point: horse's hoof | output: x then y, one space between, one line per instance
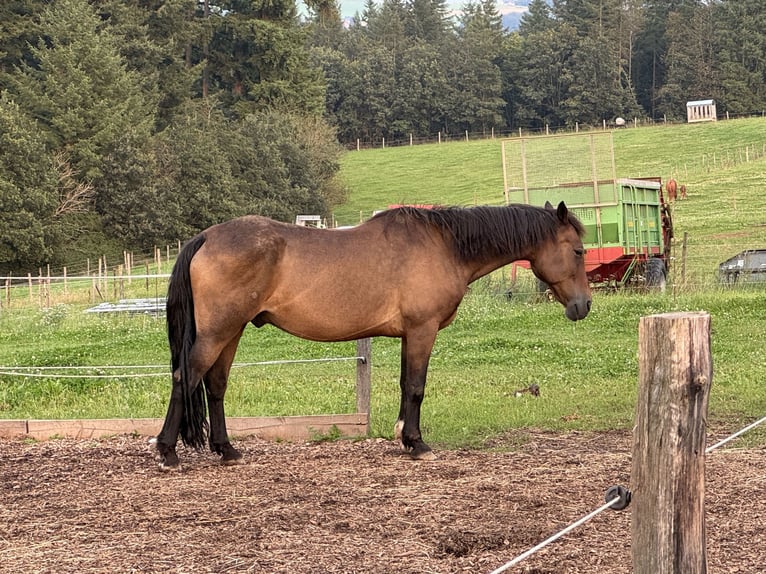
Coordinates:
230 456
424 455
166 458
168 467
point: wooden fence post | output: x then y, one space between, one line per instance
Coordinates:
364 377
683 258
668 474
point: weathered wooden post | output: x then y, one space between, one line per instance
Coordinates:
364 377
668 474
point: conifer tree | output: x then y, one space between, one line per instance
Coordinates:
79 87
739 55
476 102
27 191
258 58
536 19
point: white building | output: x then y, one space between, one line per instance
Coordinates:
701 111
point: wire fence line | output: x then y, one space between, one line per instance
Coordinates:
18 279
609 504
54 372
445 136
737 434
559 534
33 375
47 293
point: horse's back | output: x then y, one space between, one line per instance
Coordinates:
322 284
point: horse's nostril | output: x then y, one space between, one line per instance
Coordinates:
589 304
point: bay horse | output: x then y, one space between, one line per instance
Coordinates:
402 274
672 188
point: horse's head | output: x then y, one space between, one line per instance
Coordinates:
560 262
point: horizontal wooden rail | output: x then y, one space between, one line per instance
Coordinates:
290 428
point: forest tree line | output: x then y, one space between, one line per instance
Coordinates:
133 123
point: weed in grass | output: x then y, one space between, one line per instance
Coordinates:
331 435
53 316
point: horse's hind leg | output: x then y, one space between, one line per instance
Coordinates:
216 380
202 357
165 442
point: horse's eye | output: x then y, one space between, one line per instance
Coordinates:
579 252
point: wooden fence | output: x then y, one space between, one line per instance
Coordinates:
668 468
280 427
97 283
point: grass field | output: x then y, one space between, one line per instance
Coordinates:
722 164
587 372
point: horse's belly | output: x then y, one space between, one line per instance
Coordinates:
334 322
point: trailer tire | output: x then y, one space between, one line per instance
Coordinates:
544 290
655 274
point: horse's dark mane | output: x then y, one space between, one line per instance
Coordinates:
488 231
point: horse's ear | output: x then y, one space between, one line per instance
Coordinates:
548 205
562 212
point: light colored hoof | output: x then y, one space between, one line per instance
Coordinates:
233 462
428 455
169 469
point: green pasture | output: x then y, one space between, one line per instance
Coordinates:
586 371
722 164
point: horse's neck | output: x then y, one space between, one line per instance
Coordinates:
478 269
495 256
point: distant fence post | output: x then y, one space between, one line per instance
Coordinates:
364 377
668 472
683 258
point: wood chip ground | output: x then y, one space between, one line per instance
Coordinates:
348 507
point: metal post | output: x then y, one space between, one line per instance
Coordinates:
364 377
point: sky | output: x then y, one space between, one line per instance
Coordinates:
511 10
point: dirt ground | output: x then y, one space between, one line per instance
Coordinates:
350 507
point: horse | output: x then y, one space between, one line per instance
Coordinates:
672 189
683 192
402 274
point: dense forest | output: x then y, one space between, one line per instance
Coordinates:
133 123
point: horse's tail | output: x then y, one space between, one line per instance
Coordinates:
182 331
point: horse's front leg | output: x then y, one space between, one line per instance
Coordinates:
216 381
416 352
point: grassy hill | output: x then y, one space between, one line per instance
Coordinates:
722 164
586 371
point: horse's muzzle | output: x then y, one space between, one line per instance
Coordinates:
578 308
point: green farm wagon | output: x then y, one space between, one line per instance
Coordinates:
627 220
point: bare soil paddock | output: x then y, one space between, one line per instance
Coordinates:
102 506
